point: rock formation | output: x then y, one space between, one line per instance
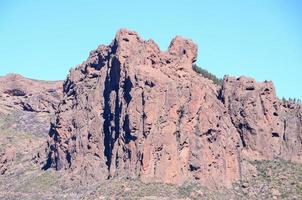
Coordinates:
26 107
267 127
17 92
131 110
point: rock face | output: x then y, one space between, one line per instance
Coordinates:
17 92
267 127
133 111
26 107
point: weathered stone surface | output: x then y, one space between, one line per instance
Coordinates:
267 126
131 110
26 107
17 92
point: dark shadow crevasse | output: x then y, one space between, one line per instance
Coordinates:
111 133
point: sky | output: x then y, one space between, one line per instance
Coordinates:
256 38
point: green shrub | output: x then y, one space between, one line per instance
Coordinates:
292 100
208 75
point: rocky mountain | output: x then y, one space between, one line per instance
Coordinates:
131 110
135 122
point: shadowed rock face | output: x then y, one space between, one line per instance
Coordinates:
132 110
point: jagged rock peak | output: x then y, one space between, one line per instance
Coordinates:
132 110
128 44
179 46
125 35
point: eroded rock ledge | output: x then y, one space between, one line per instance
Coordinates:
132 110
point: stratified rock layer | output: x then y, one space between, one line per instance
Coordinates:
132 110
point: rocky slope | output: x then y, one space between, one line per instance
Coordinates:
131 110
26 107
20 93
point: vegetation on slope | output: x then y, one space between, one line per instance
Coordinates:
292 100
208 75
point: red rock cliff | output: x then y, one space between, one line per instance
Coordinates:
131 110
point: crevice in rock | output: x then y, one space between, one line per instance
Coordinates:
58 163
197 131
68 158
143 114
181 112
220 96
126 128
241 134
284 130
48 163
264 110
117 116
53 133
111 133
127 89
238 128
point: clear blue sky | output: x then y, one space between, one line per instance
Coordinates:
258 38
